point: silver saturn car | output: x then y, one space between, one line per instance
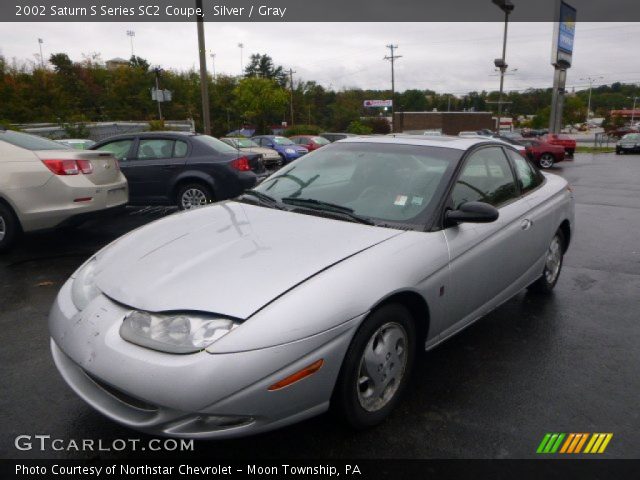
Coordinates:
314 290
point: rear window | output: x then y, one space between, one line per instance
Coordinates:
30 142
218 145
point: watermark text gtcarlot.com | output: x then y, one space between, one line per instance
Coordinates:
45 443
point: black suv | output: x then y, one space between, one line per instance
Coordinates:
180 168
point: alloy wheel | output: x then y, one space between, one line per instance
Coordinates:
546 160
553 261
382 366
193 198
3 228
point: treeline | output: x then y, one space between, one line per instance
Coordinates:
71 92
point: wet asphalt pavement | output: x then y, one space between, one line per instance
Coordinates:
569 362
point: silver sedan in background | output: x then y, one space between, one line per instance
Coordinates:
312 291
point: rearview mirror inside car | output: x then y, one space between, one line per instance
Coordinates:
472 212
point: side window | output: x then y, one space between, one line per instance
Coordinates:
485 177
527 176
180 149
119 148
150 149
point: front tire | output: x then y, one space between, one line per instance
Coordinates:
377 367
552 265
546 160
193 195
9 228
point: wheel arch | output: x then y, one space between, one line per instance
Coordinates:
193 177
12 210
565 228
418 308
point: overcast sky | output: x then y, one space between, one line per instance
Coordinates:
445 57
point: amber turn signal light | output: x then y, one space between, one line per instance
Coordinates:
299 375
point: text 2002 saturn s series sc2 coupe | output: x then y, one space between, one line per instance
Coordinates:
312 290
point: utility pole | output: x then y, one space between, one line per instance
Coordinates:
633 111
204 80
392 58
40 42
131 34
291 72
590 80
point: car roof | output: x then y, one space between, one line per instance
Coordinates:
457 143
163 133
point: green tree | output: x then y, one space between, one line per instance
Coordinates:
262 66
260 100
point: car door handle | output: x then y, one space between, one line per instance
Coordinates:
526 224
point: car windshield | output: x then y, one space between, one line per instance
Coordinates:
30 142
218 145
320 140
631 136
383 182
282 141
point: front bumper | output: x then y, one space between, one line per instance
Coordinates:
199 395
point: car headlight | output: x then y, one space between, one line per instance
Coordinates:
83 288
177 333
289 150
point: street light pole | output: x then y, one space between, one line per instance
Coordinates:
131 34
213 65
241 47
40 42
507 7
633 110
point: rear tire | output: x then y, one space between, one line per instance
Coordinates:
552 267
9 228
546 160
376 367
570 152
193 195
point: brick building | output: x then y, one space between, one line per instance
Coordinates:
449 123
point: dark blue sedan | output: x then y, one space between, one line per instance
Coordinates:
288 150
181 168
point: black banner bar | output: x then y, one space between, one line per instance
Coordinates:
308 11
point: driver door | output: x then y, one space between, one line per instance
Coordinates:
485 258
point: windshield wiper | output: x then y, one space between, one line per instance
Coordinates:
312 203
263 198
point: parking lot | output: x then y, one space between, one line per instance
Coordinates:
563 363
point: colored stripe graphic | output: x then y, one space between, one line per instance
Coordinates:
574 442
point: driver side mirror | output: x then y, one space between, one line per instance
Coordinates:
472 212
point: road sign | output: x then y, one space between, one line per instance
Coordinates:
160 95
378 103
563 35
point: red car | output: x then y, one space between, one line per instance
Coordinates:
542 153
311 142
565 141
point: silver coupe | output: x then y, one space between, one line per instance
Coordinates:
312 291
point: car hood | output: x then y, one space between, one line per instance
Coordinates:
230 258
